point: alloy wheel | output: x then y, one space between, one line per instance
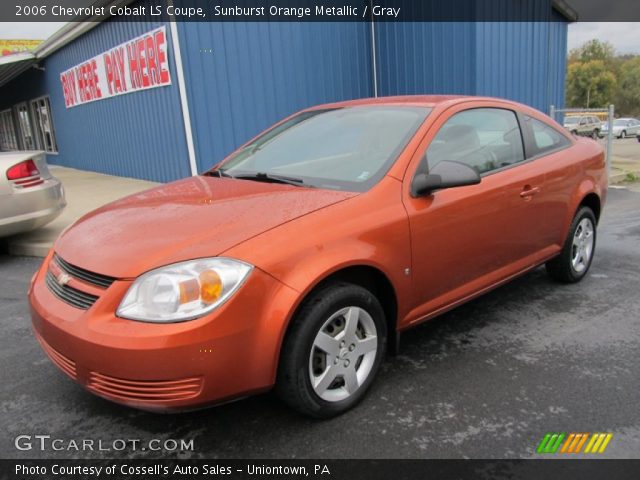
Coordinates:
343 354
582 248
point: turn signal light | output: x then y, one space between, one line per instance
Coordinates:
23 170
210 286
207 288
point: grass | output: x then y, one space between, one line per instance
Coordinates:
631 177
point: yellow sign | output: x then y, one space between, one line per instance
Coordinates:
9 47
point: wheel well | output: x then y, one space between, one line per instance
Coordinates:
593 202
379 285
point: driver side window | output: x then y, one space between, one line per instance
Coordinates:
486 139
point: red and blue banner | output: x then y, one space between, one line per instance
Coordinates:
138 64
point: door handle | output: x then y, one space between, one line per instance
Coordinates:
529 191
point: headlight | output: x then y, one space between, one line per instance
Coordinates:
183 291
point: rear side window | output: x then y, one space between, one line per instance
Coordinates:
484 138
545 138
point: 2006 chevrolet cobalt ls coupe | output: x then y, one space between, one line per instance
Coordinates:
300 257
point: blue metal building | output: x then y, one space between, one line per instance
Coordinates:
231 80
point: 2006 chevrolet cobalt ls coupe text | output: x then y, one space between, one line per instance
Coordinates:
300 257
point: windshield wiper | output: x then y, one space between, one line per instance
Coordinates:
218 172
267 177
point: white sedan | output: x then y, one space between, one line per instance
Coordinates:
623 127
29 195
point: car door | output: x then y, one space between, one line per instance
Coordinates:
468 238
545 146
584 125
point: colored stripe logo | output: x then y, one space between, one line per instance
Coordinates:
574 443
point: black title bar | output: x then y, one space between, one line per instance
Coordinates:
321 10
321 469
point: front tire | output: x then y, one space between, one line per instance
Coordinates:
575 258
332 351
623 134
595 134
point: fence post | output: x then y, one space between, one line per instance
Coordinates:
552 112
610 139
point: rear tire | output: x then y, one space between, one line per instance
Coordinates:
575 258
332 351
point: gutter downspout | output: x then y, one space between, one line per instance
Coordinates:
184 103
373 53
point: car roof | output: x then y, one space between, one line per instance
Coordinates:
409 100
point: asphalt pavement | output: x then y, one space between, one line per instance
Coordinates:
486 380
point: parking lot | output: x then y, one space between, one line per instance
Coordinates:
486 380
626 159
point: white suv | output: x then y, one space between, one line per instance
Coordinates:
586 125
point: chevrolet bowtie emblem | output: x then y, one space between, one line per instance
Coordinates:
63 279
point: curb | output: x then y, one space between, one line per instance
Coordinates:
622 176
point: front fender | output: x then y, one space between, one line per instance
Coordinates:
368 230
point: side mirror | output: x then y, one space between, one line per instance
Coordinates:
446 174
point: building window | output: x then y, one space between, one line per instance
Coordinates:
27 137
43 122
8 139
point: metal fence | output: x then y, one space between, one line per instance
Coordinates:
607 112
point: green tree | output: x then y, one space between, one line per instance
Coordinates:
593 50
590 84
627 98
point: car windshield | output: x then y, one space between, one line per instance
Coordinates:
572 120
349 148
620 123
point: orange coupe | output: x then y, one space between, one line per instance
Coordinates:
295 261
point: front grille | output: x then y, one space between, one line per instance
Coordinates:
102 281
65 364
70 295
144 390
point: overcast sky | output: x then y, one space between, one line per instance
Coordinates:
623 36
28 30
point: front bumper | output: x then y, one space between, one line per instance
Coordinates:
229 353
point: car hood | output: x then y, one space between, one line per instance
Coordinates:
191 218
